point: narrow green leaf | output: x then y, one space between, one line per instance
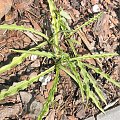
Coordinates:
55 23
95 100
22 28
94 56
20 59
23 84
65 14
97 89
85 79
41 54
50 96
97 70
64 24
88 22
75 77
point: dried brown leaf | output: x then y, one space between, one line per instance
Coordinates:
5 6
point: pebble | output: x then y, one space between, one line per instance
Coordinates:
96 8
33 57
45 80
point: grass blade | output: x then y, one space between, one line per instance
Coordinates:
41 54
75 77
20 59
50 96
88 22
97 89
22 28
95 56
95 100
85 80
97 70
23 84
55 23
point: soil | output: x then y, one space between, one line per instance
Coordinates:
101 36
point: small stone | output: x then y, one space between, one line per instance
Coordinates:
36 107
45 80
33 57
96 8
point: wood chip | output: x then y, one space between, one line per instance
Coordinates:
5 6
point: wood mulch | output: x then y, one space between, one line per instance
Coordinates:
101 36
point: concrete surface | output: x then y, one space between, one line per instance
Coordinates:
113 114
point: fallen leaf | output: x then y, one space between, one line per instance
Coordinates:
5 6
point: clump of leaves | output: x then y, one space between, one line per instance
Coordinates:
75 66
